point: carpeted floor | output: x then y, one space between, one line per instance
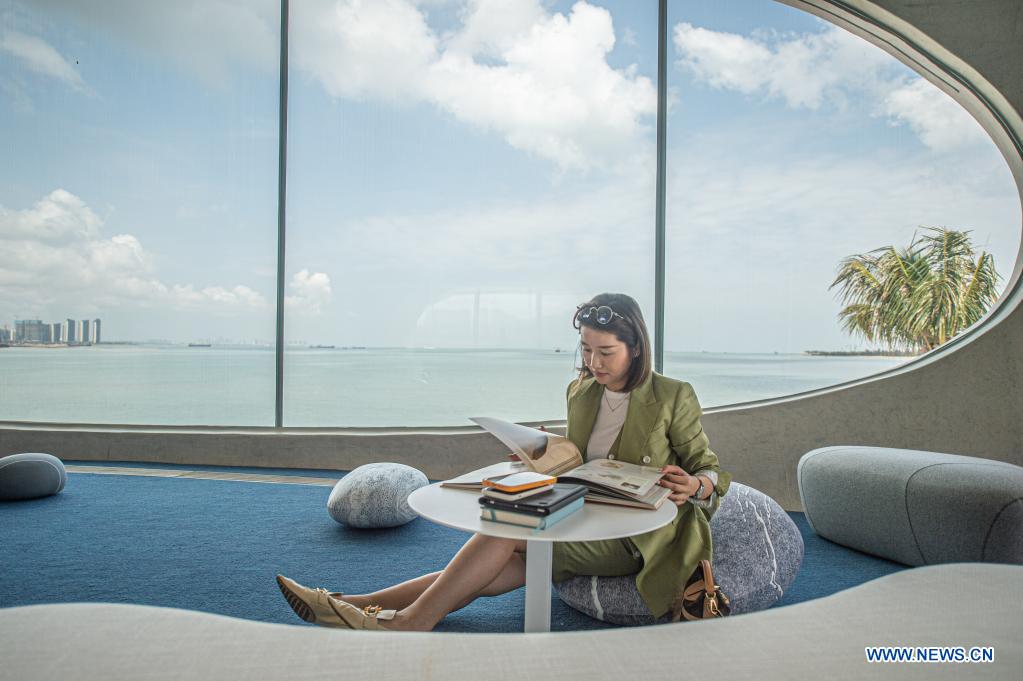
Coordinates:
216 545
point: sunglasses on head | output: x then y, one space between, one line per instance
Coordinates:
602 314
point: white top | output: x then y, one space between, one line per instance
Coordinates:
460 509
610 419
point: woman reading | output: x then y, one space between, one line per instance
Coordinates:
618 408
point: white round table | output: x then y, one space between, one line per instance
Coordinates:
460 509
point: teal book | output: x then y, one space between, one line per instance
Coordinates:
526 520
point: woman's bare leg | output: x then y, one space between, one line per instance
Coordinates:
394 597
401 596
484 566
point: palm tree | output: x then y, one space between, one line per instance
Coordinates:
919 297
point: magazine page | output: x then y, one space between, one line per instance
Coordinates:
543 452
651 500
525 442
561 456
628 478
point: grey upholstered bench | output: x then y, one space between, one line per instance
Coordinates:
914 507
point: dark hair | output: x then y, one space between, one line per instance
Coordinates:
629 328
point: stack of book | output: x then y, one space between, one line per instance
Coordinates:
529 499
609 481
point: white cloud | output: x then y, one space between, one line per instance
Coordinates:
311 292
724 60
830 68
55 254
541 80
40 57
490 27
58 217
215 299
378 49
554 95
934 116
808 70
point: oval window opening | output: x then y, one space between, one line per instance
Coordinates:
830 214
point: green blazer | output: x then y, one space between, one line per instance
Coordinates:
663 422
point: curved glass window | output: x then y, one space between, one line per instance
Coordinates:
460 177
138 211
792 145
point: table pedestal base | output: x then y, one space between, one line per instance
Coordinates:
539 562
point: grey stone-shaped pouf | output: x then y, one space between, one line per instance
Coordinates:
757 554
375 495
757 549
914 507
30 476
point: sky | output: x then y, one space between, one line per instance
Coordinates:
462 174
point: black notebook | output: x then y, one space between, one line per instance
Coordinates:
540 504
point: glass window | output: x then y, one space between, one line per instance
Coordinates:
793 144
138 203
460 177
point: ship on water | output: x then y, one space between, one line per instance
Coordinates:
200 345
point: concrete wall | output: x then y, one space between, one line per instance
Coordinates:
440 453
963 399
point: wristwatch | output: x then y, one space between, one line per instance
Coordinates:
698 494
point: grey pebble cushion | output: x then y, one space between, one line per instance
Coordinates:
375 495
30 476
914 507
757 553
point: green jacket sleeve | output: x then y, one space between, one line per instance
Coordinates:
689 442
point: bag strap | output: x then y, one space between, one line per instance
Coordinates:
708 575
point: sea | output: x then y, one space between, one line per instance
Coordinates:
150 384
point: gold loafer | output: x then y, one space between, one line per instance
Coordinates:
312 605
360 618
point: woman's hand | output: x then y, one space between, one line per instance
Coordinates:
681 484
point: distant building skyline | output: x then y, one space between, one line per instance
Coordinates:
69 332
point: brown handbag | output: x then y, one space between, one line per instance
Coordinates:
702 598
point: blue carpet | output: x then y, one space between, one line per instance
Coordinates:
215 546
828 568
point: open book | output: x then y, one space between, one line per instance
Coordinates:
609 481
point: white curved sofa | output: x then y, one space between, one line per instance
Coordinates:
962 604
